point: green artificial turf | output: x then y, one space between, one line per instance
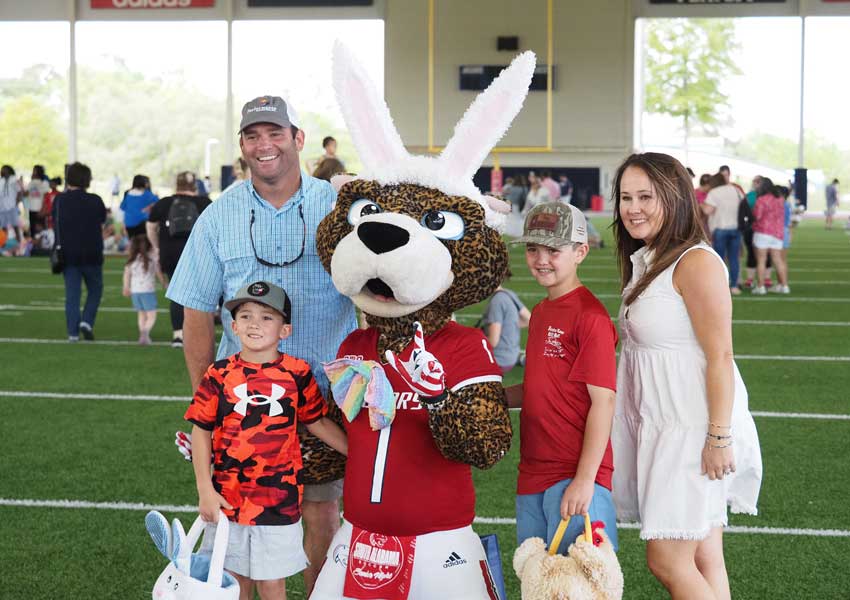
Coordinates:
110 450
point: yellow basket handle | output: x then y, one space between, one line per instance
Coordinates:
562 528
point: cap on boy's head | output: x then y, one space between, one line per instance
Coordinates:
268 109
265 293
554 224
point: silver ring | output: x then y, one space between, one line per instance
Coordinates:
727 471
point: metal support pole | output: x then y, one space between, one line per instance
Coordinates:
72 83
228 117
801 150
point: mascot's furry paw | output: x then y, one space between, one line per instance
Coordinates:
590 571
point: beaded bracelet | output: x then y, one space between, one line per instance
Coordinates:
712 447
718 437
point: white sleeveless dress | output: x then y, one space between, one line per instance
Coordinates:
662 418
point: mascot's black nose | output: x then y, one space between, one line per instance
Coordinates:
382 237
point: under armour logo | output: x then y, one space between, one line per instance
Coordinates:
275 408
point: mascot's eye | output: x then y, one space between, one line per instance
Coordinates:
362 208
444 224
168 580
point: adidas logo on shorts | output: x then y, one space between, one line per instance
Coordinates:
454 560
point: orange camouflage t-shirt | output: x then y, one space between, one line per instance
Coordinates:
252 410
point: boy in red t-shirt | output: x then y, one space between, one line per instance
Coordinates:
245 412
568 390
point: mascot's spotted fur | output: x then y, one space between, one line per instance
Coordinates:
396 243
411 241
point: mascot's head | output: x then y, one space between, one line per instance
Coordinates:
413 238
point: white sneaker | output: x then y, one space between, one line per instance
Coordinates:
785 290
775 289
759 291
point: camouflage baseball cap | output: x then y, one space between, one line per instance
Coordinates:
554 224
265 293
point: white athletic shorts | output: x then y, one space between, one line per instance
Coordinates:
449 565
766 242
261 552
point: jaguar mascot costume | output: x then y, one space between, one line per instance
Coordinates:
410 241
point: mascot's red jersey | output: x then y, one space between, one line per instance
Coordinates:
396 480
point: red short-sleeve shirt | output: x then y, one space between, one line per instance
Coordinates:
571 342
397 482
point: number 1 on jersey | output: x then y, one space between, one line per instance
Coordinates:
380 464
487 350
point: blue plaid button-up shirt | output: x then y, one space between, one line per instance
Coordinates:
218 260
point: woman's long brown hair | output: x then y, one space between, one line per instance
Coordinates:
680 228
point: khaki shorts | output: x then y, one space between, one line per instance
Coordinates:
323 492
261 552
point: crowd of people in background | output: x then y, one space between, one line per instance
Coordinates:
752 226
526 192
759 221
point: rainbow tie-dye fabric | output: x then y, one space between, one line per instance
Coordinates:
356 383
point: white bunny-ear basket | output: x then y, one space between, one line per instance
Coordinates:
193 576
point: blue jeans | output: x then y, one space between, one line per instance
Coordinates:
538 515
74 276
727 243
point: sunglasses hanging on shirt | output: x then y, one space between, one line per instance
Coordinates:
267 263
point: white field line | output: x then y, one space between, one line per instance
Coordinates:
792 260
33 286
107 288
58 308
792 323
193 509
127 343
766 414
793 270
728 529
795 282
743 298
520 278
476 316
66 396
784 415
792 358
64 342
151 398
46 271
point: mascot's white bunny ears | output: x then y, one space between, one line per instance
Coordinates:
383 154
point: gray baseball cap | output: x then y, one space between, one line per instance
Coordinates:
262 292
554 224
268 109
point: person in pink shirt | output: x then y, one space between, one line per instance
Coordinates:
768 234
701 194
551 185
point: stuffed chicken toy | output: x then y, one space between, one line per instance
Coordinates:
589 571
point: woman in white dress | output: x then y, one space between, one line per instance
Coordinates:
685 445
